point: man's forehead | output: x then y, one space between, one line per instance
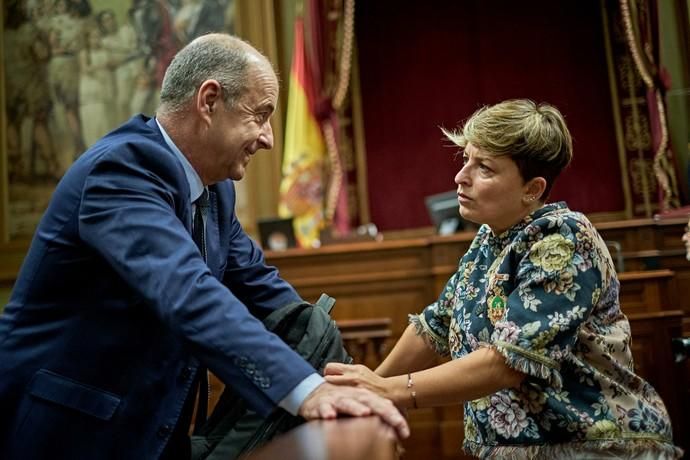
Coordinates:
260 96
261 73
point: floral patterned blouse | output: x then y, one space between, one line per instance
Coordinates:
545 295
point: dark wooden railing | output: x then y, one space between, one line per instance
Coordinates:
340 439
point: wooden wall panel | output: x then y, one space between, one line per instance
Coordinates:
368 280
647 291
654 361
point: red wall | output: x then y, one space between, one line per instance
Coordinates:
430 64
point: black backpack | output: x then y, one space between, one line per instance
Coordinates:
233 429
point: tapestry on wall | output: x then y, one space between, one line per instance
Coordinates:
76 69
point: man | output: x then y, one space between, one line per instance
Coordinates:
115 308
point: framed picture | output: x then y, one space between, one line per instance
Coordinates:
277 234
74 70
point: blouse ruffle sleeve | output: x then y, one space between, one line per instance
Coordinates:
434 321
558 280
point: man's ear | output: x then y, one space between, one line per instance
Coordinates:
534 188
207 99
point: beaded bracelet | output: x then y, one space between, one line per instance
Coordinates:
413 393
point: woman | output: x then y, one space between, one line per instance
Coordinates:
540 349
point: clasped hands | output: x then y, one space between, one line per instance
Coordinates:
353 390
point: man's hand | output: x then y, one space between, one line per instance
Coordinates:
327 401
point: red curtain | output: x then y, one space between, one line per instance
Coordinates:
424 66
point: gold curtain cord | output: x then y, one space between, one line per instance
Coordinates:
345 55
336 170
647 70
663 169
635 46
327 128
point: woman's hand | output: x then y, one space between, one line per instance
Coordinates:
357 375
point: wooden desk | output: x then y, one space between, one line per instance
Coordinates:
340 439
387 279
647 291
649 244
395 278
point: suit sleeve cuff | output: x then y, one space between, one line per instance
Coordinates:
293 401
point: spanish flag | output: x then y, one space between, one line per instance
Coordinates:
305 155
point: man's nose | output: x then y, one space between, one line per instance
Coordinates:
266 136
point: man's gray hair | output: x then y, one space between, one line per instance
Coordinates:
220 57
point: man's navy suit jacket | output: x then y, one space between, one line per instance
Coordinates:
114 309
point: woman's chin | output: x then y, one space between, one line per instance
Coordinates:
468 215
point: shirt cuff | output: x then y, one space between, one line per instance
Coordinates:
293 401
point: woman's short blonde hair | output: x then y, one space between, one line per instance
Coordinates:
534 135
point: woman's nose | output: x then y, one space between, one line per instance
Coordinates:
461 177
